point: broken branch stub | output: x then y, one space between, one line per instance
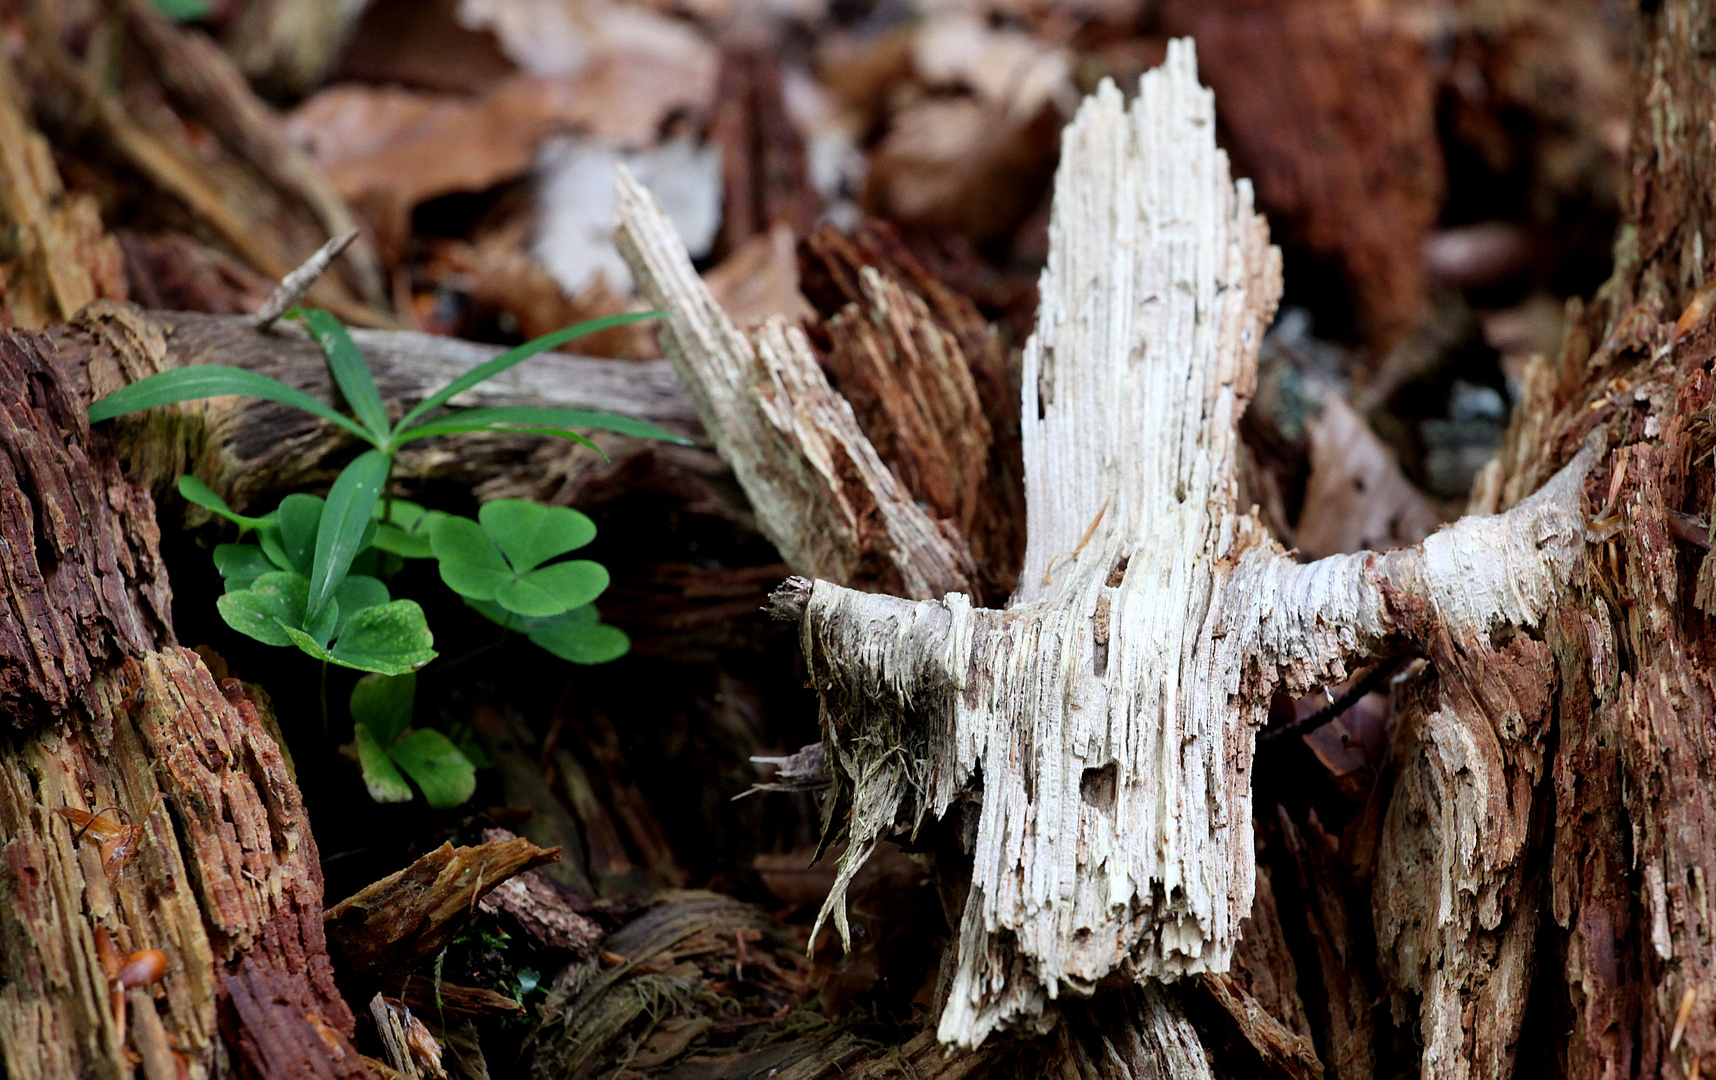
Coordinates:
1092 742
1092 725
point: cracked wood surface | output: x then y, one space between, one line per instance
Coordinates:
222 876
1093 740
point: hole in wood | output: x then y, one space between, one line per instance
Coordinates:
1097 787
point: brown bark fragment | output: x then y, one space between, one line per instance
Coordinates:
887 326
1329 107
544 911
222 876
1263 965
60 259
82 582
765 181
387 930
1245 1038
1349 1046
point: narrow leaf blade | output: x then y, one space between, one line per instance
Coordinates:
350 371
345 518
535 417
515 356
212 380
199 493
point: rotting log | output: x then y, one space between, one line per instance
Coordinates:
105 715
1092 741
249 450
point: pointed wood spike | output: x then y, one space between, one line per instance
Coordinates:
1095 736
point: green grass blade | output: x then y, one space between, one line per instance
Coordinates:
195 491
453 425
350 370
534 417
345 517
213 380
513 357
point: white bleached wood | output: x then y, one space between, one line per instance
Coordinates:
1092 743
822 495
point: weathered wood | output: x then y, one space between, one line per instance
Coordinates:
823 495
58 259
387 930
966 467
107 717
82 581
250 450
1099 730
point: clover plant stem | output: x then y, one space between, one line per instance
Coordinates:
506 634
323 691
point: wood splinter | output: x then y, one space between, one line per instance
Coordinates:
1093 740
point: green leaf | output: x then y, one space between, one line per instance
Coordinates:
391 639
345 519
581 419
241 564
358 592
184 10
529 534
430 758
470 563
307 644
455 424
212 380
512 358
404 529
382 703
264 611
297 521
351 373
383 780
553 589
586 643
195 491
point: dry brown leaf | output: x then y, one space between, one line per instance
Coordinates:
760 279
1356 498
959 163
1007 69
388 149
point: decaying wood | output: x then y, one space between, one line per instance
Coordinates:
199 74
1097 733
58 259
823 495
389 929
107 717
230 191
1332 113
83 583
248 450
1349 1033
897 361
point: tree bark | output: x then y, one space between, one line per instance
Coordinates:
107 716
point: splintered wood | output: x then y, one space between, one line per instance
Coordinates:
1092 742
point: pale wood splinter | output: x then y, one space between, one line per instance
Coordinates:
1093 741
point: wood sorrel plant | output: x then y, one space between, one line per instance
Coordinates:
315 577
